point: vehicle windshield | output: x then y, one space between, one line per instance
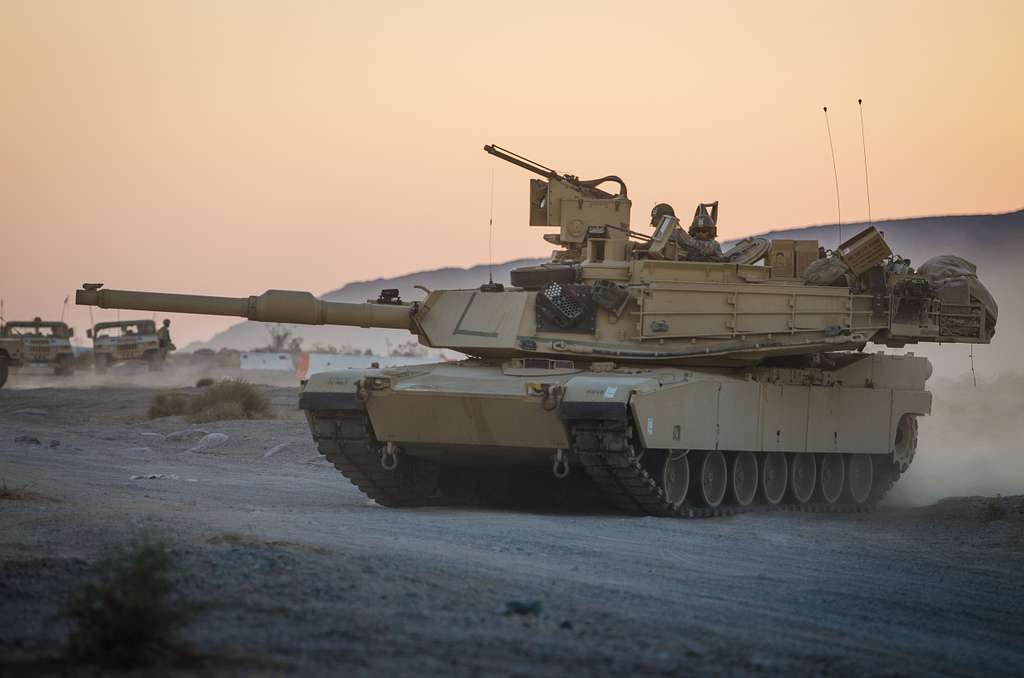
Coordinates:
30 330
125 330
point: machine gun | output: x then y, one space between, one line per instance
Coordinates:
570 203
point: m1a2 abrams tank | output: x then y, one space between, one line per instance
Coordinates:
626 370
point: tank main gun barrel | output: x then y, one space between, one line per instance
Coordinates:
276 306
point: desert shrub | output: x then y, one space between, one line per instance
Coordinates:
16 493
994 509
124 618
229 399
225 399
168 405
204 382
218 412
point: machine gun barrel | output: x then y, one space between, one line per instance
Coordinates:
589 187
525 163
280 306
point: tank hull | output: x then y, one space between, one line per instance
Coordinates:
448 432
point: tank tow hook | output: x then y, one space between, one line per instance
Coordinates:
561 465
389 456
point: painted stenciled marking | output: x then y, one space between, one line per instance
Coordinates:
610 391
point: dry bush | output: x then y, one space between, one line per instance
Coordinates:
218 412
124 618
204 382
22 493
994 509
230 399
168 405
225 399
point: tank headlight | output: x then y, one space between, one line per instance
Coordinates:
379 383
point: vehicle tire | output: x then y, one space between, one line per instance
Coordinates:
3 371
65 366
100 363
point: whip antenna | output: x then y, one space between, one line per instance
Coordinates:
490 236
64 307
835 172
864 146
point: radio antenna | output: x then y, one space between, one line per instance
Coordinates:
835 172
490 236
864 146
64 307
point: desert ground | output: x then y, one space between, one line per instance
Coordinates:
294 572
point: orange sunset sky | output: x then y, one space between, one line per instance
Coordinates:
228 147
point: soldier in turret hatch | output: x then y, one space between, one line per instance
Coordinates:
699 243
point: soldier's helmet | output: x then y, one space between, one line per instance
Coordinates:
705 223
167 322
660 210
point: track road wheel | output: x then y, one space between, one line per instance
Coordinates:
675 477
830 477
711 480
859 476
774 470
743 477
802 473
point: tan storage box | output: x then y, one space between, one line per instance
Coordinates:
864 250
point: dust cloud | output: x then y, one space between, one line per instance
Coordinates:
972 444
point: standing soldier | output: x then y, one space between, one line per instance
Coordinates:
163 335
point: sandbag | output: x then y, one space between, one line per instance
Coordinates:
827 271
947 266
953 277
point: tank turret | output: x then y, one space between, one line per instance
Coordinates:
681 379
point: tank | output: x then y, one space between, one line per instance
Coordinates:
645 371
42 343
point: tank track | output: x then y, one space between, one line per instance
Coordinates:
346 439
607 455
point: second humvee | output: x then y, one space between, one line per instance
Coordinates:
126 340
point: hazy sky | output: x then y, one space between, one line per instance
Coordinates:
229 147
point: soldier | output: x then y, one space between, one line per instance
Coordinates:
660 210
163 335
700 242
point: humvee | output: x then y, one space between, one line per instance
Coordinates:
10 356
42 343
125 340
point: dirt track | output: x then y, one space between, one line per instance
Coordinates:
296 572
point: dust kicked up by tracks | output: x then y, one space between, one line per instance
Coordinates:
295 571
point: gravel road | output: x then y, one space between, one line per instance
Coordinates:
295 572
